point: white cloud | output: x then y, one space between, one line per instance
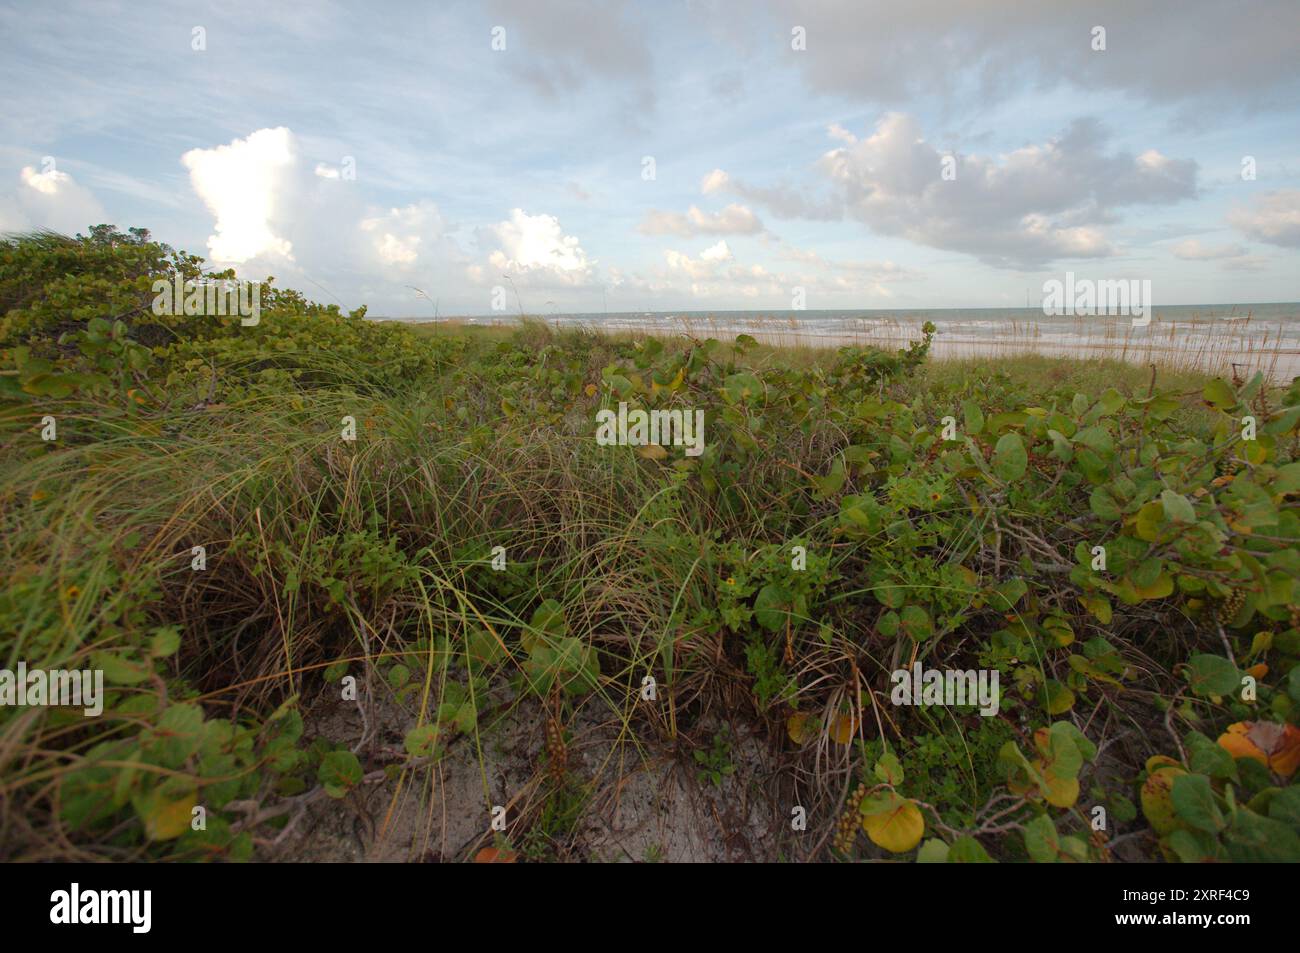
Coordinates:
1017 210
1274 218
836 131
49 199
240 183
716 275
715 181
535 246
278 214
718 252
396 237
732 220
697 269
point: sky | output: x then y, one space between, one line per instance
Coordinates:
564 156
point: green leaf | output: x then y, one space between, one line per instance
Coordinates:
165 641
1285 806
547 621
915 621
1213 675
933 851
1007 593
119 670
1062 449
178 734
1177 507
1009 458
1204 756
831 484
1098 440
1193 847
967 850
1041 840
1255 839
1218 394
1194 803
1102 502
889 769
739 388
771 608
1055 697
1111 401
339 772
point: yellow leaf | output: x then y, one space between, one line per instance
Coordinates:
842 728
1158 762
652 451
799 727
1163 586
1061 792
898 828
1147 522
166 819
1157 797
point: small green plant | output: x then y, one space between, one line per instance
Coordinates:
714 763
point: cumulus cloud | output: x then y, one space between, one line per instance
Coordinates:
707 265
715 275
1274 218
1020 210
535 248
732 220
240 183
277 212
718 252
49 199
396 236
715 181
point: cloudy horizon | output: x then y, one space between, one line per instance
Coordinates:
700 156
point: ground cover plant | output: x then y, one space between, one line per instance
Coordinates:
231 522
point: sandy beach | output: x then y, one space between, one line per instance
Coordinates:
1217 341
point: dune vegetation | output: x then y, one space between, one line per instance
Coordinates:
241 526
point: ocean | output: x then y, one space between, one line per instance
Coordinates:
1210 337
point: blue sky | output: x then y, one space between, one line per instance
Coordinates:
356 151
